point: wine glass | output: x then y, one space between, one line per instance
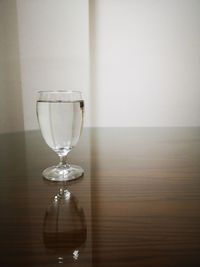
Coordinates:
65 230
60 117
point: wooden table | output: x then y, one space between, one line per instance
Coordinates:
138 203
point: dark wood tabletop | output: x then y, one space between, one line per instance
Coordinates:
138 203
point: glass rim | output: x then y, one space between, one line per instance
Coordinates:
59 91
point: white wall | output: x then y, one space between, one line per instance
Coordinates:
11 112
145 62
53 37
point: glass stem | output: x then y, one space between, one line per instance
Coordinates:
63 160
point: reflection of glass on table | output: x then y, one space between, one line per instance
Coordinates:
65 229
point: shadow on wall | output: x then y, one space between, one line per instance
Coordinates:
92 37
11 109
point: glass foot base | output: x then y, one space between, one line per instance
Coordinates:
63 173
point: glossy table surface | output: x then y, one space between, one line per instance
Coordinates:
138 203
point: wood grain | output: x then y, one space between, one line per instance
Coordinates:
139 197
